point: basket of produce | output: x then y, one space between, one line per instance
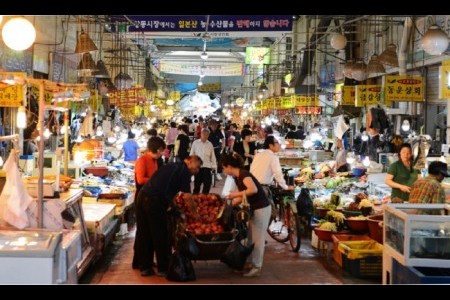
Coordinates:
325 231
376 228
358 224
199 217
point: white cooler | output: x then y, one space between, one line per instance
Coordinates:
30 257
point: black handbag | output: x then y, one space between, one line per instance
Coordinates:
180 268
188 246
236 254
244 212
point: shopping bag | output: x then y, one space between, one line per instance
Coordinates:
14 199
180 268
229 185
236 254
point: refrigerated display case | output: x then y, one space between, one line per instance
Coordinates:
418 234
28 257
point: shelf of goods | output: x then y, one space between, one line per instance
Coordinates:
416 235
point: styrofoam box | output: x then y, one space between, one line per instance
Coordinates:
97 216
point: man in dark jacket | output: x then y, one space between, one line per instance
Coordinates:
153 200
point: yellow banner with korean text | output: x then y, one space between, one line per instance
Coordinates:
301 101
444 80
348 95
209 87
288 102
403 88
11 95
367 95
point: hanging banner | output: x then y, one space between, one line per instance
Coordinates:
257 55
403 88
11 95
367 95
301 101
195 25
317 110
234 69
348 95
288 102
210 87
444 80
278 102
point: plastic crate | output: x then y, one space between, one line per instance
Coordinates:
418 275
368 267
360 249
345 237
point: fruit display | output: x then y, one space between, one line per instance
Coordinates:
200 212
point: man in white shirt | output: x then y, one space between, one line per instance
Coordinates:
205 150
266 165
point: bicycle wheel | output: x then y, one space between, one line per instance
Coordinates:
277 228
295 230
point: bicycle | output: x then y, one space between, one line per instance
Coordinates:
285 224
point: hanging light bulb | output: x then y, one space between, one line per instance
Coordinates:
99 131
244 114
18 34
1 161
435 40
63 130
366 161
21 117
116 128
200 83
204 55
47 133
350 158
338 41
405 125
364 137
79 139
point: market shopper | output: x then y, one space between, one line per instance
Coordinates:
401 175
429 189
181 150
245 148
171 135
266 165
205 150
130 148
153 201
260 208
146 166
217 139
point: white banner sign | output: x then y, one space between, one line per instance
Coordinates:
196 69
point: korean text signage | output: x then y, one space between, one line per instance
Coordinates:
306 101
404 88
315 110
367 95
444 80
196 25
210 87
11 96
196 69
348 95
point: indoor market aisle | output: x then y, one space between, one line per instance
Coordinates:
281 266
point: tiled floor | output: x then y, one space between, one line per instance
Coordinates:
281 266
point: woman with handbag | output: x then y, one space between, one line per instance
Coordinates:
249 190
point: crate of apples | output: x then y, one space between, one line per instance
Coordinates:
200 212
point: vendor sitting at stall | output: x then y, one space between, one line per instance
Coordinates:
401 175
429 189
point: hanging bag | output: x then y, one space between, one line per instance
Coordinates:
244 213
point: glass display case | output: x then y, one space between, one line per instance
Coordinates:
418 234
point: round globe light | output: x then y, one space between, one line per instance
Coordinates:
435 40
18 34
338 41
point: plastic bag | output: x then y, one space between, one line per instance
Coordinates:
236 255
180 268
14 199
229 185
188 246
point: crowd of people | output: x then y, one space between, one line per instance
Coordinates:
202 151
